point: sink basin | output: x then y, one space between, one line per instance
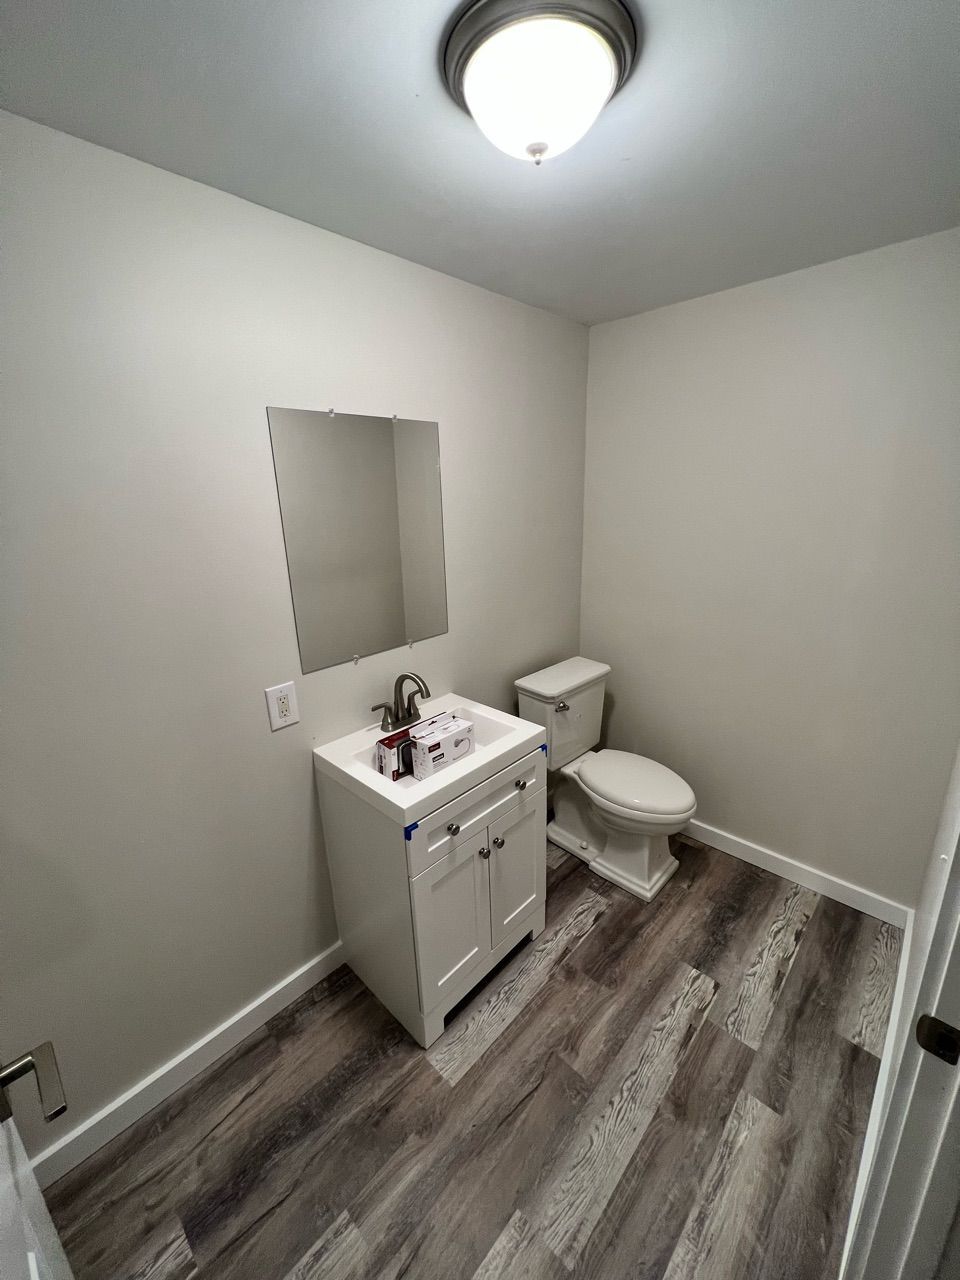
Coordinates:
499 739
486 730
486 733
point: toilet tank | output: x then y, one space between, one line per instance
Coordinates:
567 699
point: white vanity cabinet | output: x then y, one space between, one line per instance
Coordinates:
475 897
428 906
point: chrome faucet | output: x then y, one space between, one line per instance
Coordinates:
398 716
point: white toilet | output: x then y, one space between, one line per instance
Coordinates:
613 809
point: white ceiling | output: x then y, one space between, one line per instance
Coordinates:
755 136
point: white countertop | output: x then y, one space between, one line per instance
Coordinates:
500 740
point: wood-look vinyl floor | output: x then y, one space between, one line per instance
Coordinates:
668 1091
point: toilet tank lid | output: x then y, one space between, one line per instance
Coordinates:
562 678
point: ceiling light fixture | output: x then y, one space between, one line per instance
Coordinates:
535 76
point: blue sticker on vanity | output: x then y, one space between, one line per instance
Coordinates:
543 747
408 831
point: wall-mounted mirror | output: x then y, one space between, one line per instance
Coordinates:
363 529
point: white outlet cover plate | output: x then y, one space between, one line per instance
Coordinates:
282 706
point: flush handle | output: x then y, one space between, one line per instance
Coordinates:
521 784
562 706
498 842
453 828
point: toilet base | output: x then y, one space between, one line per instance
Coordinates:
642 869
641 864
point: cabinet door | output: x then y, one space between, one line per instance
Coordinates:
451 919
518 864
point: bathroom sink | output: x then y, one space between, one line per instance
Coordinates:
500 740
486 731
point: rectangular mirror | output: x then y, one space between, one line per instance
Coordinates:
363 529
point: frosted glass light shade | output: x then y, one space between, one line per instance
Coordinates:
536 86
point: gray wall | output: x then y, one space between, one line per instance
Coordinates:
161 859
772 523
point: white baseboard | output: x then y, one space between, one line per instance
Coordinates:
74 1147
853 895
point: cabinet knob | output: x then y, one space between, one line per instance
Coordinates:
453 828
484 852
521 784
562 706
498 842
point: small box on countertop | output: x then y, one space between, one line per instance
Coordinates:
423 727
392 759
438 743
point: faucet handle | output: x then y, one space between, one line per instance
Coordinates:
387 723
413 711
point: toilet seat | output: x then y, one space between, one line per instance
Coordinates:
631 786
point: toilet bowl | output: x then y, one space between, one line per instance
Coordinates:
639 804
614 809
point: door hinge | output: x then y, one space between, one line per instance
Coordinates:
939 1038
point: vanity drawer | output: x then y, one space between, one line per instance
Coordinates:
443 830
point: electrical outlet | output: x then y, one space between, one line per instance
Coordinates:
282 706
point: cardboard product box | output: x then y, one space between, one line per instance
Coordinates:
392 759
427 728
440 745
424 727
